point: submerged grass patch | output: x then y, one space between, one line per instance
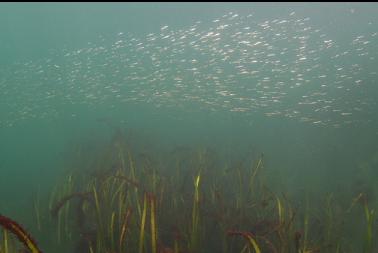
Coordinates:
189 201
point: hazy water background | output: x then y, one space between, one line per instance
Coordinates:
74 72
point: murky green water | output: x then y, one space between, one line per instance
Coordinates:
297 82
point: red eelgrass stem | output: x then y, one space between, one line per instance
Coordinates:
20 233
248 236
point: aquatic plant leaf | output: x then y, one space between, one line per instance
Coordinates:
249 237
20 233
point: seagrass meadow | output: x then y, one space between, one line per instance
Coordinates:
188 127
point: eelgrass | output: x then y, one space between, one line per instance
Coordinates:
369 216
142 224
194 236
139 206
125 225
249 237
37 207
369 219
5 241
17 230
153 224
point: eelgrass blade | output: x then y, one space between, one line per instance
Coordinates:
124 228
111 232
142 224
195 214
254 172
153 225
280 211
306 218
99 218
249 237
369 215
5 240
36 205
20 233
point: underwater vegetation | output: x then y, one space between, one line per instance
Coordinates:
16 229
116 199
